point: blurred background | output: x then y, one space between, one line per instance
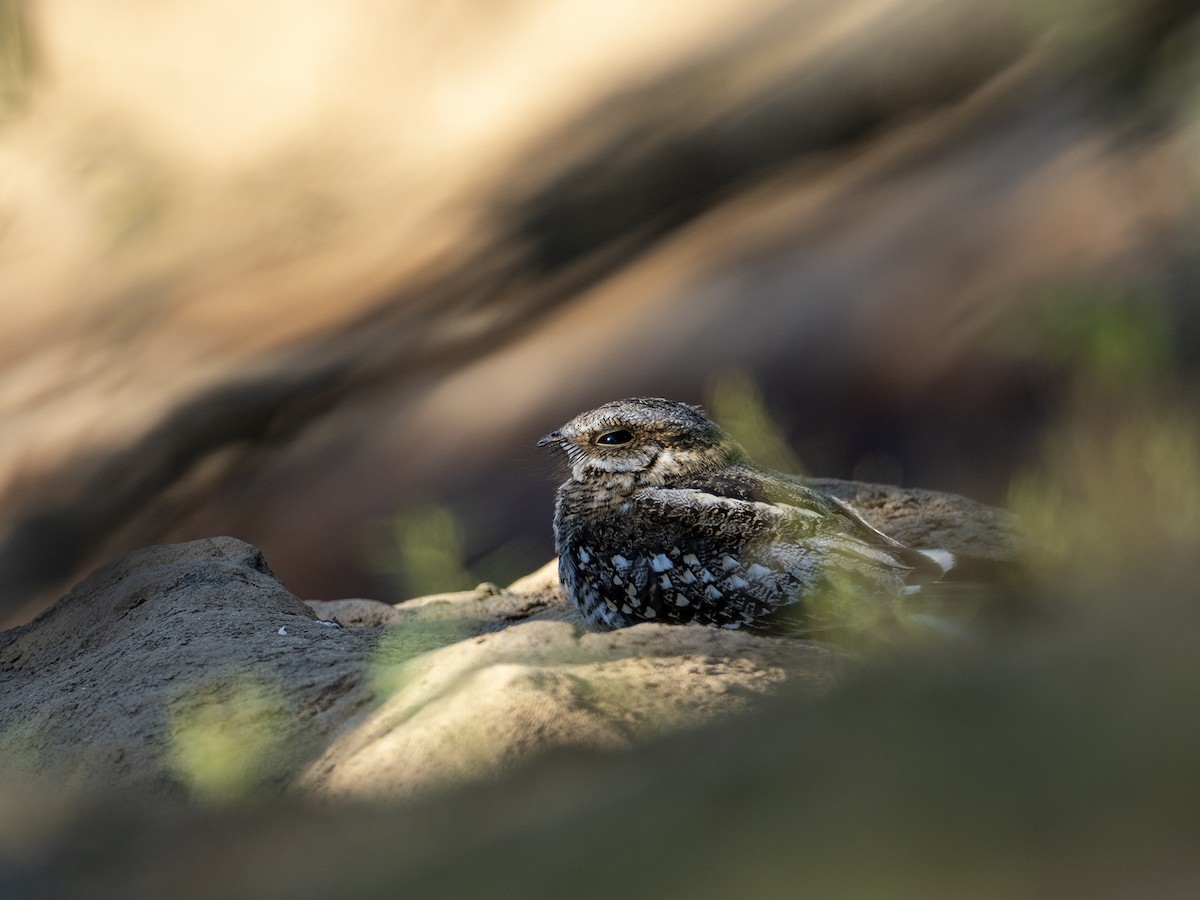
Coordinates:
317 275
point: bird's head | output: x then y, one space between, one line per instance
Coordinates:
649 441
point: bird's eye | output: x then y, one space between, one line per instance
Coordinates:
614 437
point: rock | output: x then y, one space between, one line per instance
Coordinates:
483 704
189 670
177 669
486 608
979 753
932 519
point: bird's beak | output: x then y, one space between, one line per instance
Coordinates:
547 439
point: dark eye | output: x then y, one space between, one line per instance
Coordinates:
614 437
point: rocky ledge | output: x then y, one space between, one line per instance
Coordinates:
189 670
952 769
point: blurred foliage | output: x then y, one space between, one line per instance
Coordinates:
1077 27
1103 337
1113 497
426 551
1114 493
1175 88
434 547
849 613
1175 81
1113 43
735 401
225 736
17 58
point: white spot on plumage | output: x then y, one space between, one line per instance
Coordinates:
661 563
689 559
621 563
665 583
758 571
712 593
626 608
687 577
649 612
737 583
944 559
728 562
681 600
706 576
584 556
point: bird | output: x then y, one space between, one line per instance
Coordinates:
664 518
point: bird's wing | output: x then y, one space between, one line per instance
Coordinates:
809 515
777 555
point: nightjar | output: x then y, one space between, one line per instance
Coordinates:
665 519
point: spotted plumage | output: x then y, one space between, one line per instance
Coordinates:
665 519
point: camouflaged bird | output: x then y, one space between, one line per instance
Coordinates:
665 519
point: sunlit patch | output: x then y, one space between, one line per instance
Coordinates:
394 662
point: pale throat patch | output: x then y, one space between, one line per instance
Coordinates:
584 470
